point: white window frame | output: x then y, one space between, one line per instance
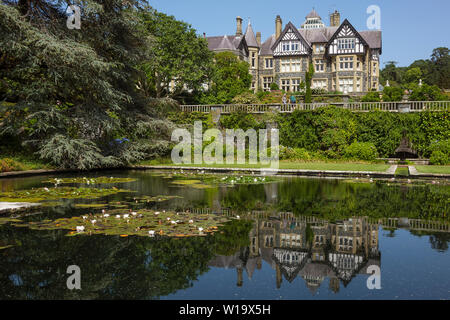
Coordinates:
346 63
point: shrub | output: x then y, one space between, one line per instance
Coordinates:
392 94
361 151
440 152
8 164
439 157
371 97
286 153
245 98
274 86
240 120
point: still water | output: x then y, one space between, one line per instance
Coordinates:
295 238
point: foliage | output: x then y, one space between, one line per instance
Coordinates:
440 152
371 96
240 120
230 77
392 94
245 98
187 118
274 86
426 93
8 164
75 91
177 53
433 71
286 153
308 79
361 151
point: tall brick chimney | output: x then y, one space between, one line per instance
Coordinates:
258 39
335 19
278 26
239 26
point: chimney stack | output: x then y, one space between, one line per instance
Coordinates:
204 35
335 19
239 26
278 26
258 39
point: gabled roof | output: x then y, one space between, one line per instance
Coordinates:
343 24
267 45
226 43
250 37
288 27
373 38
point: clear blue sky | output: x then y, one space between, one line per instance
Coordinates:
411 29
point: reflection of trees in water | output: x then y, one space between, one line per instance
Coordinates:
439 241
338 200
111 267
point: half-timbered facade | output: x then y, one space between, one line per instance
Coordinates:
344 59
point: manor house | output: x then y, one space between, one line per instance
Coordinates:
344 59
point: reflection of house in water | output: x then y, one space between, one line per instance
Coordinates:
306 247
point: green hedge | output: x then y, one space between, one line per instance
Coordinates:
329 131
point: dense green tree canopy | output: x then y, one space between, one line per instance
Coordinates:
70 95
230 78
433 71
177 54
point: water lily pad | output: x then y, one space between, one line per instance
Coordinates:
8 220
140 223
94 180
43 194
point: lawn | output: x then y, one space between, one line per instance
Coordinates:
433 169
316 165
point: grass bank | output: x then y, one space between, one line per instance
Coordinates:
433 169
314 165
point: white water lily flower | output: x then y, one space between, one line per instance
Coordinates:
106 215
157 212
173 222
118 216
200 229
93 221
134 213
80 228
84 217
191 221
46 189
238 217
151 233
168 219
126 215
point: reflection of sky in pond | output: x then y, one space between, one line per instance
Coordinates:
312 238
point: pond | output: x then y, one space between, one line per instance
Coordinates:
157 235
